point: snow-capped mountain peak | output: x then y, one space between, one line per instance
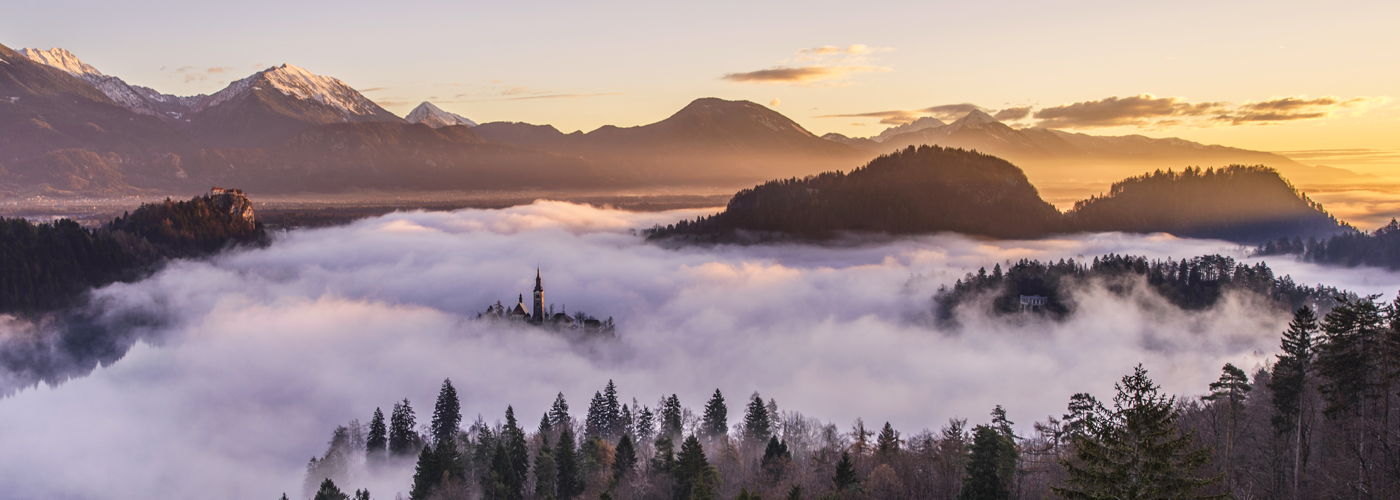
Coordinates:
303 84
926 122
62 59
433 116
975 117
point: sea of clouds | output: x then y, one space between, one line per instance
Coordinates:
258 354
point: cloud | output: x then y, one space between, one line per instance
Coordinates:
373 89
945 112
260 353
895 117
563 96
950 112
194 74
775 103
1141 111
799 75
826 51
1013 114
1289 109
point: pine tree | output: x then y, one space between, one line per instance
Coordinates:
627 424
559 412
570 482
426 475
612 412
545 427
362 494
378 441
1009 456
495 485
403 440
646 425
1289 384
329 491
1348 357
756 421
664 460
517 457
1134 450
845 476
625 458
984 480
447 414
1230 390
546 473
716 419
775 458
671 418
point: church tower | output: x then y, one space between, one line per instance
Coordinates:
538 314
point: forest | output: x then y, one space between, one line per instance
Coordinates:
1379 248
932 189
49 266
1319 421
1193 284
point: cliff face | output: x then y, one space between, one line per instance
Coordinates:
202 225
234 206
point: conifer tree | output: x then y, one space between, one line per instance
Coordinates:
795 492
362 494
559 412
984 479
1008 455
887 444
447 414
664 460
329 491
596 422
403 440
517 457
1349 358
671 418
1134 449
570 481
377 443
625 458
485 448
695 477
427 474
646 425
546 472
845 476
775 458
1289 383
716 419
756 421
612 412
1230 390
627 423
495 485
545 427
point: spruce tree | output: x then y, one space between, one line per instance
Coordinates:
1009 456
596 422
887 444
447 414
545 427
775 458
1349 356
612 413
1230 390
377 443
716 419
329 491
845 476
570 482
627 424
646 425
546 472
403 440
1134 450
625 458
559 412
427 474
671 418
495 485
362 494
664 460
984 479
694 476
756 420
517 457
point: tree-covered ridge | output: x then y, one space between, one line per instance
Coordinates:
1239 203
48 266
1379 248
1195 283
1317 423
924 190
932 189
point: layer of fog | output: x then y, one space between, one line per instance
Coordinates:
262 353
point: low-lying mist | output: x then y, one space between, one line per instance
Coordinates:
245 362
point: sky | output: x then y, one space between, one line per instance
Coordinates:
1317 79
249 359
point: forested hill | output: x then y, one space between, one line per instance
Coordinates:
932 189
1237 203
924 190
48 266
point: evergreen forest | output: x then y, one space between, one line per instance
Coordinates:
1319 421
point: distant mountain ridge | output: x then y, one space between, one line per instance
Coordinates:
1049 150
429 114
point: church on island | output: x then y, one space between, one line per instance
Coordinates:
538 316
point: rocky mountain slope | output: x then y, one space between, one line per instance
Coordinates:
429 114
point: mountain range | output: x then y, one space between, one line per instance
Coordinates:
68 128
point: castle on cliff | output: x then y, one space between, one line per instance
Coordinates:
537 315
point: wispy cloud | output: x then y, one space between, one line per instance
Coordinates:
1151 112
818 66
798 75
564 96
945 112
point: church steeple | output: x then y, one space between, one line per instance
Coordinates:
537 315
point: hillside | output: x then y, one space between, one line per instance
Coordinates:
1237 203
932 189
923 190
